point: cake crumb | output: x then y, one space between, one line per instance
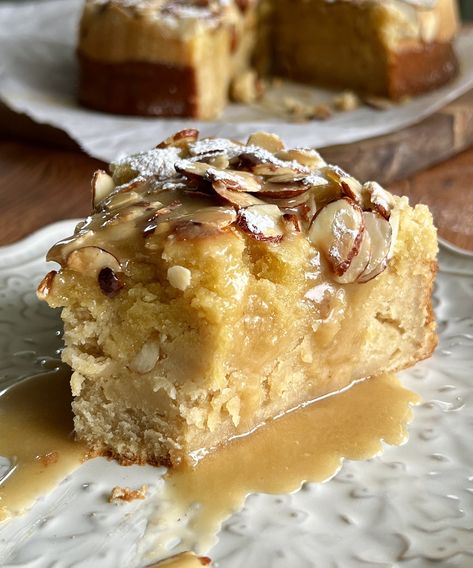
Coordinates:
246 87
179 277
346 101
49 458
126 494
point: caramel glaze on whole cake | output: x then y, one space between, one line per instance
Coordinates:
179 57
218 284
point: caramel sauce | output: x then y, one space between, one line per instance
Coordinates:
307 444
184 560
36 436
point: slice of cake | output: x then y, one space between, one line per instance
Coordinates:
218 284
390 48
179 57
163 58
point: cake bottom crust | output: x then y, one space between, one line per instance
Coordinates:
138 88
416 70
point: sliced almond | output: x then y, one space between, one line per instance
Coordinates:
381 236
305 156
180 139
102 186
336 231
377 198
192 170
237 198
282 191
351 187
91 260
271 170
235 180
293 222
359 262
262 222
266 140
232 179
45 285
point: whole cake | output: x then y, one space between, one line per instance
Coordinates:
179 57
219 284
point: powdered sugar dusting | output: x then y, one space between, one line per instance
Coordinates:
158 163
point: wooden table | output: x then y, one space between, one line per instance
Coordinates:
41 184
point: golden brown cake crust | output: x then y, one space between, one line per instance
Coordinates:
137 88
415 70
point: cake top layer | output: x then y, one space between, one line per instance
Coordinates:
400 22
189 188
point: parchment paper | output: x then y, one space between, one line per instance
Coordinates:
38 76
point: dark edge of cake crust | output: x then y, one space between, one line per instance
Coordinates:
416 70
137 88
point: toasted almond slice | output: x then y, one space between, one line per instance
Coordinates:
359 262
234 180
304 156
282 191
377 198
180 139
237 198
45 285
262 222
350 187
270 169
91 260
102 185
192 170
380 232
336 231
292 221
266 140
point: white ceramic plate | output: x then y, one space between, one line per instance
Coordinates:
412 507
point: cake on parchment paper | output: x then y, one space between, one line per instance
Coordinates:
180 57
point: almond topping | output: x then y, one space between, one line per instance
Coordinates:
102 186
45 285
181 139
270 142
305 156
262 222
381 235
91 260
377 198
237 198
336 231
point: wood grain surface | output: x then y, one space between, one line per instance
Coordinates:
400 154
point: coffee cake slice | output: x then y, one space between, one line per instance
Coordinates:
217 285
